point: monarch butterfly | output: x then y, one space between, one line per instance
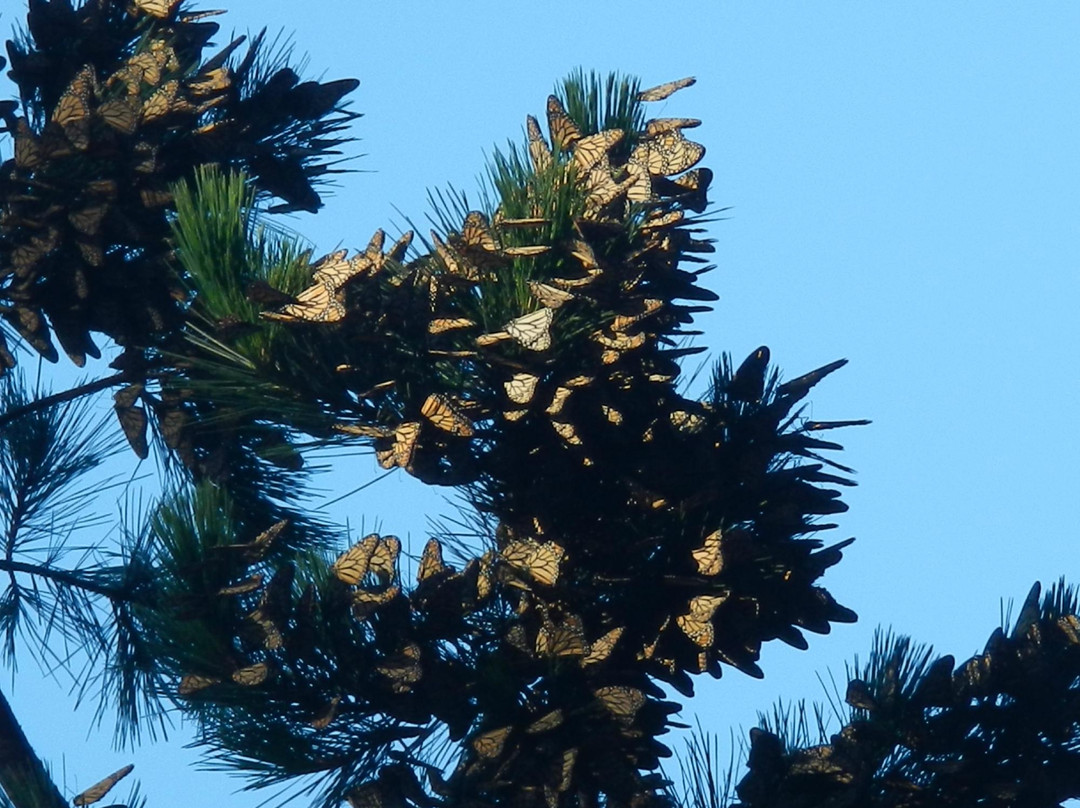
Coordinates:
121 114
161 102
155 197
579 381
363 430
670 153
157 8
649 650
133 422
521 387
351 566
613 415
601 649
567 769
686 421
476 233
316 304
192 683
403 668
545 723
332 270
550 296
458 267
624 321
443 324
620 341
589 151
514 415
210 82
621 701
490 744
88 220
662 91
659 220
252 675
323 718
431 562
539 151
564 132
445 416
28 152
532 331
242 588
697 623
485 575
558 400
265 629
397 250
565 639
567 432
72 111
663 126
384 559
403 447
540 560
99 790
366 601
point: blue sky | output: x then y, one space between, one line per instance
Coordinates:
904 183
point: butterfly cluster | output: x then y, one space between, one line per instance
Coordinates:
119 104
531 354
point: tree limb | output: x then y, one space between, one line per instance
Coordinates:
59 398
22 775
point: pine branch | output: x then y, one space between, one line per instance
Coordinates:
22 775
64 577
62 397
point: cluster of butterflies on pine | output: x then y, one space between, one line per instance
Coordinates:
574 371
85 196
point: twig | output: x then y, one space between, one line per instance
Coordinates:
60 398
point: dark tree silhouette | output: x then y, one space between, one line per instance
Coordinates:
619 535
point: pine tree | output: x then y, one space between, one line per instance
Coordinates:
526 354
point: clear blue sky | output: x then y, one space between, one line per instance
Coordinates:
905 189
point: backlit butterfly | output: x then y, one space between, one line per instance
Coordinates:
443 324
558 400
540 560
660 219
601 649
545 723
621 701
686 421
404 445
99 790
252 675
669 153
532 331
72 112
255 549
589 151
431 562
326 715
445 416
352 565
192 683
157 8
613 415
697 623
133 422
161 103
709 556
663 126
455 265
485 575
384 560
564 132
567 432
366 601
521 387
28 151
403 668
242 588
210 82
624 321
539 152
662 91
88 220
490 744
121 114
550 296
562 639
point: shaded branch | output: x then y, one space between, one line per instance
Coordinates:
22 775
59 398
60 576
